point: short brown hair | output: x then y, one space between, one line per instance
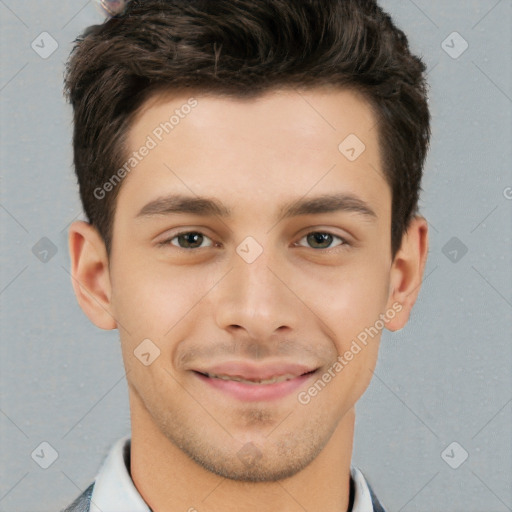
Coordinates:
244 48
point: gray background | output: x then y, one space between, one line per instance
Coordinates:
444 378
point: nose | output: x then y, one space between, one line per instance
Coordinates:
257 298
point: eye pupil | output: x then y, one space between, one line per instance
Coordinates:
190 238
319 238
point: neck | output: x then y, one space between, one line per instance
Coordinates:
168 480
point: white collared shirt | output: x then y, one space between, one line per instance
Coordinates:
114 490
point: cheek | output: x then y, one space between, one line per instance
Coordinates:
150 297
350 310
148 302
144 299
347 299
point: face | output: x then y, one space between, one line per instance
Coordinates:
252 252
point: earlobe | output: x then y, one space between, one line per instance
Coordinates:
407 272
90 274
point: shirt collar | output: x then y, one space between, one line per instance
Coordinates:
114 490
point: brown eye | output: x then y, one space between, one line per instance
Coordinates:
187 240
322 240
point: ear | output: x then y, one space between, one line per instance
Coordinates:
90 273
407 272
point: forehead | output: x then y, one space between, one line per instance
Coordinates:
280 144
312 112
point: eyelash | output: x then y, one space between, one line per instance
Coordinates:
344 243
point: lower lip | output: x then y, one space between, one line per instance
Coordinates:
256 392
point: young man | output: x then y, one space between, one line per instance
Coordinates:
250 172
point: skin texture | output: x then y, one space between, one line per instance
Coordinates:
296 302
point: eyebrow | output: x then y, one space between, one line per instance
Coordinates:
205 206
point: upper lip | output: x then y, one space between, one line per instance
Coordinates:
250 371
